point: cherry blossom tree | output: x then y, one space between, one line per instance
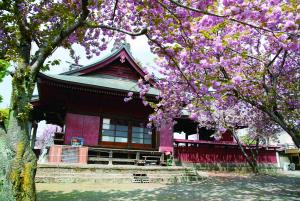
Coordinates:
227 51
46 140
240 115
30 31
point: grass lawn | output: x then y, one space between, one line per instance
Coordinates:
214 187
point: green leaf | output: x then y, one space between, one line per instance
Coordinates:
55 62
139 8
4 113
3 65
206 34
244 54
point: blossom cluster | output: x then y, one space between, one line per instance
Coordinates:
219 54
214 54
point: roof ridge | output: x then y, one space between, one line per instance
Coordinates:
106 77
106 83
89 65
117 51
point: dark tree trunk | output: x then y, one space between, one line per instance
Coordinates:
251 160
291 129
21 169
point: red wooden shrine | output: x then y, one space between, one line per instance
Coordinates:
89 103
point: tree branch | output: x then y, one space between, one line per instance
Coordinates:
226 17
274 58
92 26
196 10
37 42
25 34
185 37
47 48
273 81
115 8
285 54
249 56
174 61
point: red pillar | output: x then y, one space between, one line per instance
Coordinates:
83 155
166 138
55 154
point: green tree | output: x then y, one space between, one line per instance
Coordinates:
47 25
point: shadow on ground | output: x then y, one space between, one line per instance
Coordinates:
213 188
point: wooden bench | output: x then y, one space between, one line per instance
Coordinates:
155 156
139 162
127 160
153 159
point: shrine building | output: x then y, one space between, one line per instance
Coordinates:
99 127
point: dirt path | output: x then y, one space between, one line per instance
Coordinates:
215 187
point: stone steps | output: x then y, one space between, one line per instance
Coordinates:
112 174
50 179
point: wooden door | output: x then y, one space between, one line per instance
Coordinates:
74 126
91 130
83 126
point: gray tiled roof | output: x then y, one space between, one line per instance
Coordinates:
105 82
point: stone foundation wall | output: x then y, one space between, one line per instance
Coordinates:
71 173
228 167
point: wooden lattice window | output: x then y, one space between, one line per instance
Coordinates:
114 130
141 134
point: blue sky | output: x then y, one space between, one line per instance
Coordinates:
139 48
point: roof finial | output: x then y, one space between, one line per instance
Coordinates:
73 66
118 44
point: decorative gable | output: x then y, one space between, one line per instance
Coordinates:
119 64
116 69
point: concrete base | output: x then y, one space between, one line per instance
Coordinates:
240 167
75 173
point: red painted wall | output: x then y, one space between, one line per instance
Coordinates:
215 154
83 126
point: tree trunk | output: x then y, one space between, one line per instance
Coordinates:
5 188
290 129
251 160
21 169
281 120
294 133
